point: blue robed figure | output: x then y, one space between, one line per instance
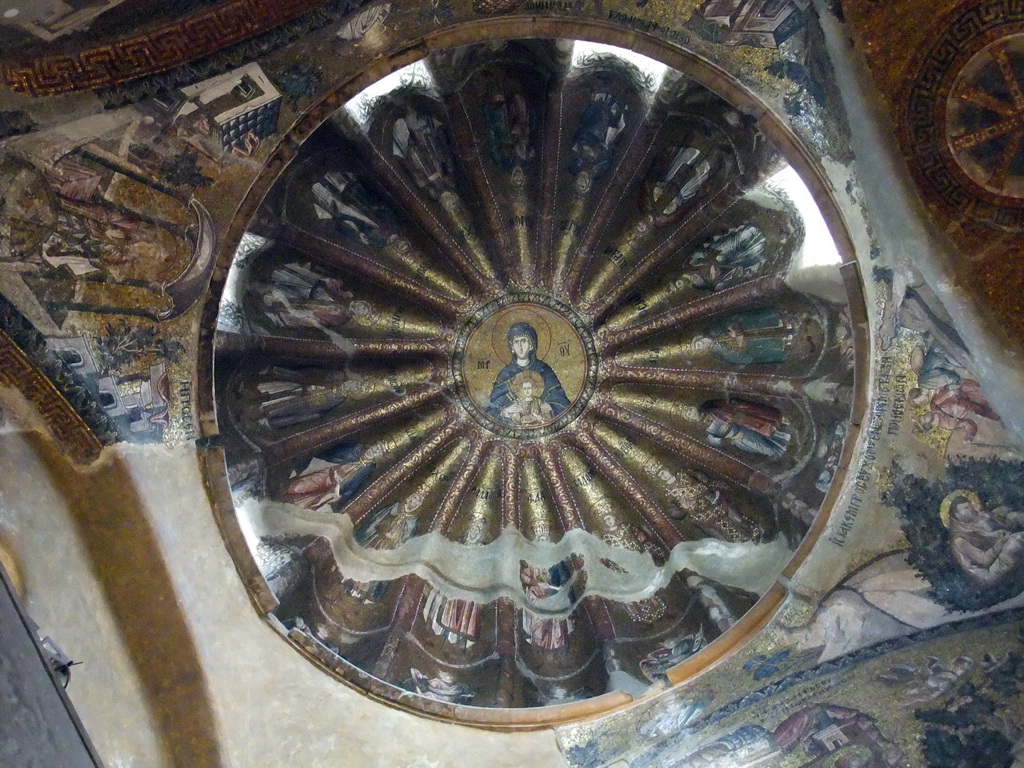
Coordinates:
522 343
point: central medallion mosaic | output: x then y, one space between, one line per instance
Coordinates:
525 365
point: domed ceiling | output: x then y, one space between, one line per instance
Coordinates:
533 371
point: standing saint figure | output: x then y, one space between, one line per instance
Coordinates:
592 149
297 297
522 343
700 503
554 587
728 259
758 336
507 118
333 477
286 397
387 528
358 214
672 185
750 427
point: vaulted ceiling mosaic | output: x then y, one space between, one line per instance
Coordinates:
533 371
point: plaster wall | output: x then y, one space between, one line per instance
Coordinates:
124 566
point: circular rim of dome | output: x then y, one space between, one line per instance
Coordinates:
507 28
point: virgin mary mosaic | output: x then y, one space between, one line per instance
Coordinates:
524 365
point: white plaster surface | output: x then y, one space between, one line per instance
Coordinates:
64 597
271 707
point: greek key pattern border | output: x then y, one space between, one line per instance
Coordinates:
157 50
69 430
924 110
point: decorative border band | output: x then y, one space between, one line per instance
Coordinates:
156 50
923 117
67 427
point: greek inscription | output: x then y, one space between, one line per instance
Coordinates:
615 256
188 423
584 479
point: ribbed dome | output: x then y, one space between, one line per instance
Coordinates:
533 370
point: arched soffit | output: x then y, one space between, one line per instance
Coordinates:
535 368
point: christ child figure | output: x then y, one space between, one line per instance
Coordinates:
528 410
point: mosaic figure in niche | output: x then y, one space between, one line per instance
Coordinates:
987 544
706 506
525 400
456 620
440 688
334 477
553 587
728 259
390 526
358 214
387 528
593 144
750 427
297 297
508 137
621 534
290 396
760 336
419 140
674 180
